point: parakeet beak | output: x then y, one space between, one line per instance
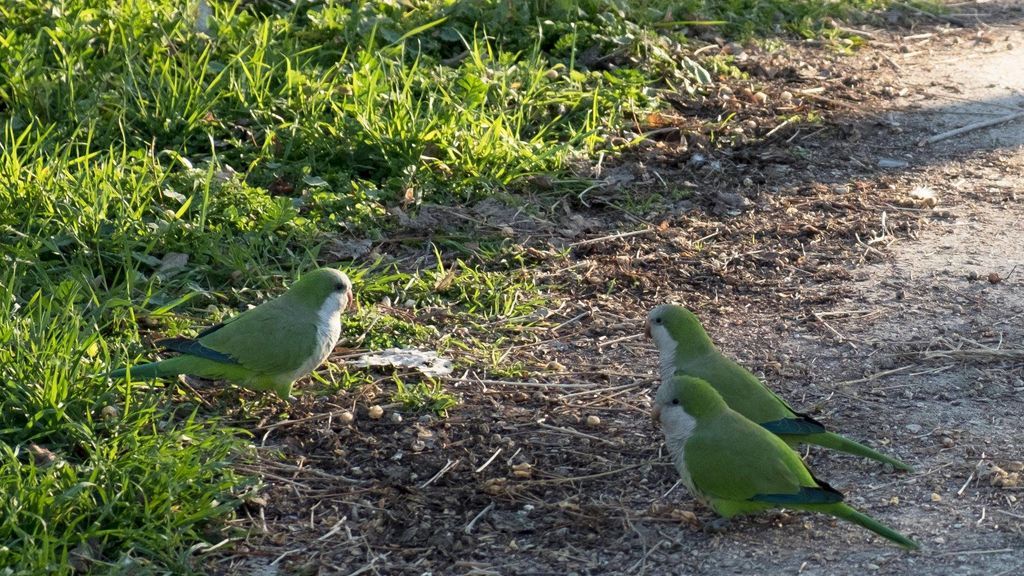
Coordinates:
656 414
647 328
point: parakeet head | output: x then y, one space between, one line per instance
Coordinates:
326 290
682 399
678 335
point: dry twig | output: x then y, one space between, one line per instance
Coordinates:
970 128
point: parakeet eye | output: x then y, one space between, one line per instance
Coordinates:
675 400
657 320
340 287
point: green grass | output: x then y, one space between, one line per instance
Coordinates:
159 171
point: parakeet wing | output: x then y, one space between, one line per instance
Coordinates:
194 348
271 338
731 458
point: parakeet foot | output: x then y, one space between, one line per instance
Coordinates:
717 526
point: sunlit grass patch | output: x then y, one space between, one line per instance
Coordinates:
96 475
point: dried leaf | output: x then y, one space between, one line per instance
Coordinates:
426 361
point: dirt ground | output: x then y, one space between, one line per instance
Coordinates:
875 283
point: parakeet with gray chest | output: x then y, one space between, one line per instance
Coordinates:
685 348
736 466
268 347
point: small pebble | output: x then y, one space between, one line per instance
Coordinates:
914 428
417 445
994 278
892 163
936 497
110 413
375 412
394 417
593 421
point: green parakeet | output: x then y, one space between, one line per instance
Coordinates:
685 348
736 466
267 347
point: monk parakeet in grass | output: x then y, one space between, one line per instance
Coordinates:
685 348
737 467
267 347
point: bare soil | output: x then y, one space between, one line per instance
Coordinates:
875 283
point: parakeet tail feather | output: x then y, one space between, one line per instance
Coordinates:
847 513
843 444
143 371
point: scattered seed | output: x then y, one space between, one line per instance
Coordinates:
346 417
684 516
1007 480
523 470
593 420
494 486
375 412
